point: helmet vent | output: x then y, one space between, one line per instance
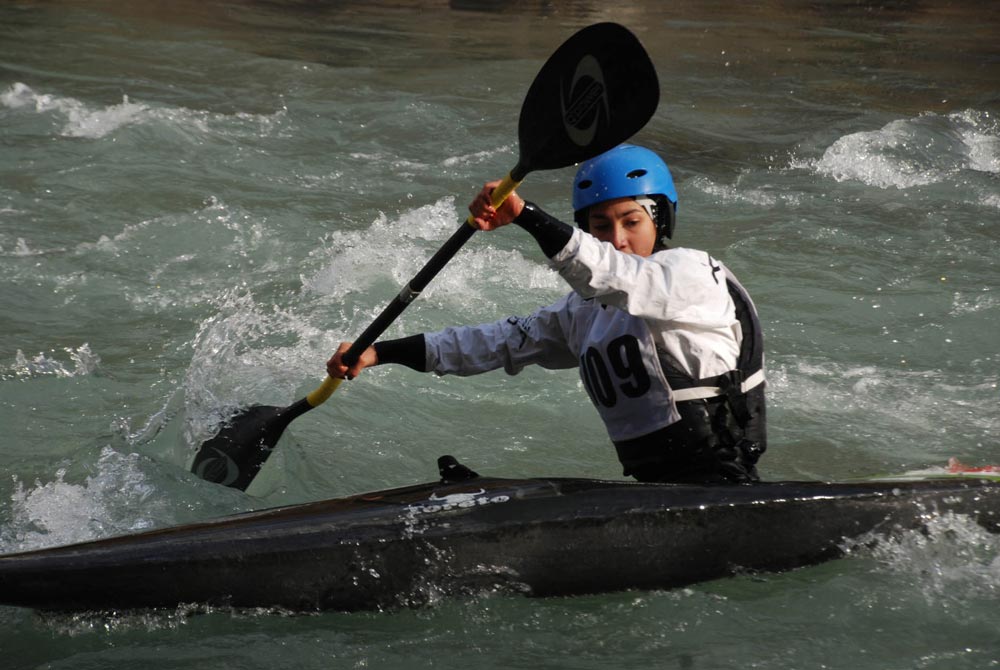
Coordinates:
586 183
635 174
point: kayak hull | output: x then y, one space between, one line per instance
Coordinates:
542 537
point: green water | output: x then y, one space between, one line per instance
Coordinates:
198 201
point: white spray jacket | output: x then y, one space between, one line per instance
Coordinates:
626 318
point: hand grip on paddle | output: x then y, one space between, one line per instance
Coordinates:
498 196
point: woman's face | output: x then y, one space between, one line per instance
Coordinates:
625 224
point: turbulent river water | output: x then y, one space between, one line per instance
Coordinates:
199 200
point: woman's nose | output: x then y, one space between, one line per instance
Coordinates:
620 239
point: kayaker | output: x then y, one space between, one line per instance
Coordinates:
666 340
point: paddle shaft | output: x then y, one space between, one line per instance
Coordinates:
428 272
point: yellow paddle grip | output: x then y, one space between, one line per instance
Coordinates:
500 193
325 390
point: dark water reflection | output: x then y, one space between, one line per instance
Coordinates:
950 48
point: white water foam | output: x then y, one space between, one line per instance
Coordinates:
355 259
81 121
951 559
980 133
84 121
908 153
117 499
244 354
396 249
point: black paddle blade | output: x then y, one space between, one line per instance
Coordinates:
596 91
235 456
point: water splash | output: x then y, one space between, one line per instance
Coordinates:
245 354
950 560
247 351
84 362
155 424
354 259
980 133
61 512
908 153
395 249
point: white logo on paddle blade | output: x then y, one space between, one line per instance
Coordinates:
232 470
584 104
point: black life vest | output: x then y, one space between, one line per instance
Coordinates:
722 431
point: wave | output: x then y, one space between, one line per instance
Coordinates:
907 153
85 121
395 249
104 504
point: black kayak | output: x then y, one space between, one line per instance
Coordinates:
541 537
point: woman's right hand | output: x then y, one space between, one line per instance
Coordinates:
336 368
485 216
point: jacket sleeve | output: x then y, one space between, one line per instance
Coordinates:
680 286
511 344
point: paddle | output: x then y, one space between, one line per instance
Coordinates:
592 94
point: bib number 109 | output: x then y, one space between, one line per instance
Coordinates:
619 369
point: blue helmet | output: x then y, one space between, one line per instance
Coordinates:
626 171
